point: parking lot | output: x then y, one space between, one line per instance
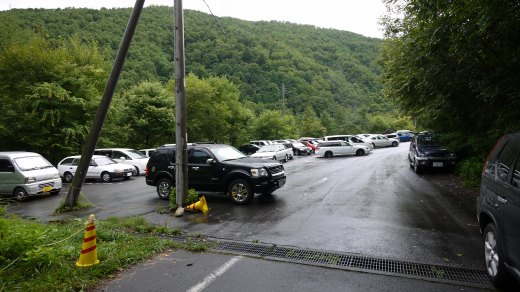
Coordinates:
371 205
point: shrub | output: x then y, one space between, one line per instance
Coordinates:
470 171
193 196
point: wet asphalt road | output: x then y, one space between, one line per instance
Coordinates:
373 205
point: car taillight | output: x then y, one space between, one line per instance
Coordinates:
146 171
490 153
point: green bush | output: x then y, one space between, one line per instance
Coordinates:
470 171
193 196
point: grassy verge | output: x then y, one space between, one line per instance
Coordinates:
41 257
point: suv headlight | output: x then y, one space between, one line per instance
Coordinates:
420 154
452 155
259 172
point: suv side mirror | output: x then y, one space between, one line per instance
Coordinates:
210 161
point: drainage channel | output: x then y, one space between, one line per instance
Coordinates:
345 261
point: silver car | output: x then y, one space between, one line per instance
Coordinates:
24 174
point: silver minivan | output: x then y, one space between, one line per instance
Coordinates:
24 174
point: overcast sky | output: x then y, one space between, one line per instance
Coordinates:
359 16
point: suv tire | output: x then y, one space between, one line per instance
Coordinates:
106 177
240 192
328 154
164 186
394 144
20 194
67 177
360 152
494 257
416 166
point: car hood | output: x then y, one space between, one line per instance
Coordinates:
252 162
42 174
436 150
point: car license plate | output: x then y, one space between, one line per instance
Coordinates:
47 189
128 174
438 164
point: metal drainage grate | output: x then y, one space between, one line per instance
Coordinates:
349 262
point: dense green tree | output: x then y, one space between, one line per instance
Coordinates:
49 95
273 125
148 114
310 125
454 66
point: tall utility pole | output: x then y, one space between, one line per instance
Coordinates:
181 136
79 177
283 99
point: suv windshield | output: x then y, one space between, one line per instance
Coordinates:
134 154
227 153
32 163
426 141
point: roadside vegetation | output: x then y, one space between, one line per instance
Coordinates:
41 257
454 67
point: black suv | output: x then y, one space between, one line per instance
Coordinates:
426 152
498 210
216 168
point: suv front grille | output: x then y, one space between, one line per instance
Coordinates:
276 169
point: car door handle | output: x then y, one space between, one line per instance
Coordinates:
195 168
502 200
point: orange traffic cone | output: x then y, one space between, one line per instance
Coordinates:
88 255
201 205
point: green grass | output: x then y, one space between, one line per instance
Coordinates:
41 257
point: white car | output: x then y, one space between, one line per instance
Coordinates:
273 151
128 156
352 139
147 152
328 149
100 167
383 141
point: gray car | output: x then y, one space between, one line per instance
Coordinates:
24 174
498 212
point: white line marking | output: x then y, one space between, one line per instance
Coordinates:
213 276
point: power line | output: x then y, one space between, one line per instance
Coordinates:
217 19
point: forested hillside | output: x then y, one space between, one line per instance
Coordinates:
239 71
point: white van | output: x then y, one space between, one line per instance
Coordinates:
24 174
353 139
128 156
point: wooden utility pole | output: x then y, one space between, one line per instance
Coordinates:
79 177
181 136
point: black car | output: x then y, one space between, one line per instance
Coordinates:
498 211
300 149
249 149
426 152
216 168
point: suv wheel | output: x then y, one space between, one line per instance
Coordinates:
106 177
68 177
394 144
416 166
494 257
328 154
240 192
164 187
286 158
20 194
360 152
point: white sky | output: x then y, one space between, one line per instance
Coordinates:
359 16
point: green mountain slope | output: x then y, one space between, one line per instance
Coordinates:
321 68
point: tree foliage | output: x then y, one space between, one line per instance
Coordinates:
454 66
49 95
